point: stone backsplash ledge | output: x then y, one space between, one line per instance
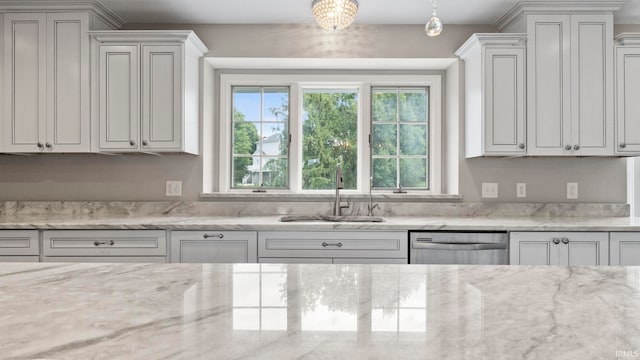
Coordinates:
92 209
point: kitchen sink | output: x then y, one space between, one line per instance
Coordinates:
330 218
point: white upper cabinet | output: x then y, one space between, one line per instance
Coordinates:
627 94
146 91
45 75
570 84
495 101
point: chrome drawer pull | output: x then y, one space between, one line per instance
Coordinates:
219 236
325 244
98 243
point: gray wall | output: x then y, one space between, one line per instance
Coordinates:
142 177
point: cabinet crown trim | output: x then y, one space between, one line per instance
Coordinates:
554 7
187 36
484 39
92 6
628 39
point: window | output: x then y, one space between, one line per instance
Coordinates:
260 137
400 151
329 137
288 132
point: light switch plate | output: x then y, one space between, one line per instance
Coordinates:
174 188
572 190
490 190
521 190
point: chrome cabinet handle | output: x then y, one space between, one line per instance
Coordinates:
556 241
623 145
568 147
219 236
132 143
521 146
144 143
48 145
325 244
576 147
40 145
98 243
565 241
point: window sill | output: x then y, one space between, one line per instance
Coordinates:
379 197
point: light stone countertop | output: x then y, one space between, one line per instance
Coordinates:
271 311
271 223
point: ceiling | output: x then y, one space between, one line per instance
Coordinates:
299 11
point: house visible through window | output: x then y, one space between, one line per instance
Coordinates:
260 134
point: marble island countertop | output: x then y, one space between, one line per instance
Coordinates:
172 222
271 311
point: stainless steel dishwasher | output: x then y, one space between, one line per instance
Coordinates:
445 247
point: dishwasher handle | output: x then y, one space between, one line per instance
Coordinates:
458 246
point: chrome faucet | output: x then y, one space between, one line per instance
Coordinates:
337 208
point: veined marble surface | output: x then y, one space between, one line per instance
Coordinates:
358 206
229 223
268 311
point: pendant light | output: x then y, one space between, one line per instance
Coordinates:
434 26
334 14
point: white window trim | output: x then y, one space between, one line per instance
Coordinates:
297 82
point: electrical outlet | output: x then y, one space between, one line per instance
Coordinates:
572 191
521 190
490 190
174 188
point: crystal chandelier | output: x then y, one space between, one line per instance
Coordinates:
434 26
334 14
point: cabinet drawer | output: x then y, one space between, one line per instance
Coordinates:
346 244
104 243
107 259
19 242
214 247
19 258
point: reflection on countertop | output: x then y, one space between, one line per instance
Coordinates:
272 311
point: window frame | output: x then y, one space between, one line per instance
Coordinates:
296 83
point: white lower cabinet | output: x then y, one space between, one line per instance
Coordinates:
214 247
104 246
19 246
338 247
624 249
559 248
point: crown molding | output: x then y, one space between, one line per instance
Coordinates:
187 36
628 39
483 39
92 6
563 6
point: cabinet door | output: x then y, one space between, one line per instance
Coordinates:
68 83
161 99
119 77
592 84
548 84
291 260
368 261
625 249
107 259
24 85
214 247
584 248
504 100
627 104
533 248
